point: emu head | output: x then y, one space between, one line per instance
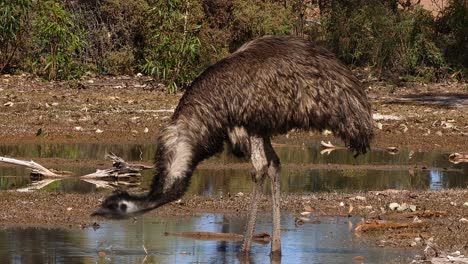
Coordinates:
121 205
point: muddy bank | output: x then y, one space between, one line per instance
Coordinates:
124 109
40 209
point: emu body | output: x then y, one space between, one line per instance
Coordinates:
269 86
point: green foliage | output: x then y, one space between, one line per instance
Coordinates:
174 40
117 31
258 18
57 41
12 14
453 30
389 40
173 45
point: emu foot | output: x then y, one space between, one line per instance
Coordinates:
275 255
244 256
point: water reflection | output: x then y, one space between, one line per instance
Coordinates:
331 241
226 180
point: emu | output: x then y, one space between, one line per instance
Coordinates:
267 87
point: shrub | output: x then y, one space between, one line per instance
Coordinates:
452 27
391 41
12 16
173 46
56 40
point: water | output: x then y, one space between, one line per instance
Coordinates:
305 170
222 174
330 241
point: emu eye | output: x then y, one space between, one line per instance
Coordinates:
123 207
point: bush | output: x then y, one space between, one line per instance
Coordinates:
173 47
391 41
174 40
57 42
452 27
12 19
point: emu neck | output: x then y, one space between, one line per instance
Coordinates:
175 162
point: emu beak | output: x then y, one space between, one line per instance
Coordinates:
102 212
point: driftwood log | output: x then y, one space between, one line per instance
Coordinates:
261 238
121 171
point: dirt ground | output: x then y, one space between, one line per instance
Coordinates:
123 109
132 110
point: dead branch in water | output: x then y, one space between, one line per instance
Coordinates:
385 225
122 171
261 238
328 147
35 168
458 157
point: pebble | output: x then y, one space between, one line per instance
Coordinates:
402 207
393 206
360 198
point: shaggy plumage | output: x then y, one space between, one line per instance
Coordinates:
269 86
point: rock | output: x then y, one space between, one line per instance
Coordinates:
146 130
465 204
393 206
463 220
412 208
439 133
99 131
358 259
402 207
305 213
360 198
326 132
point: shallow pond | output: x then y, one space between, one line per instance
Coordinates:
376 170
328 241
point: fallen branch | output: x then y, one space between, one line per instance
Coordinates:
262 238
329 147
35 168
425 213
384 225
458 157
121 170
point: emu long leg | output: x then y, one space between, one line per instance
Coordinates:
260 163
273 173
250 228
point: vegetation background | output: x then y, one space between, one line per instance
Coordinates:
175 40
